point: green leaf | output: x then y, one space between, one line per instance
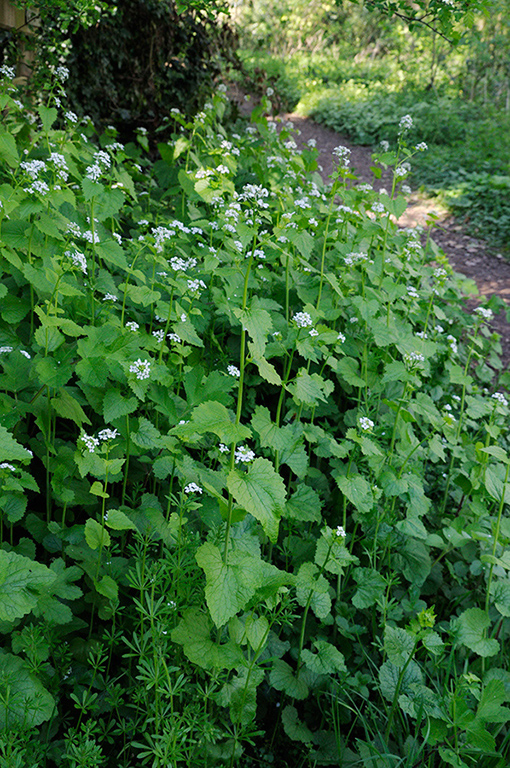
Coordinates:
471 631
451 758
95 535
371 586
48 116
25 702
398 644
357 490
261 492
229 586
309 389
313 589
283 678
13 506
257 632
305 504
294 728
327 661
266 370
240 695
68 407
194 634
8 149
348 368
107 587
115 405
331 554
22 581
258 323
118 521
212 416
10 449
500 591
146 436
389 675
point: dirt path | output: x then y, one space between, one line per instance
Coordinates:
468 255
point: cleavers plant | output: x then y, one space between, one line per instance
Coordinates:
254 461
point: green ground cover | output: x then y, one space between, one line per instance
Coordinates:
254 459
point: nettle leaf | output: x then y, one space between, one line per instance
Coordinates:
212 416
389 675
283 678
471 628
371 586
26 703
305 504
399 644
194 634
327 661
22 582
261 492
312 586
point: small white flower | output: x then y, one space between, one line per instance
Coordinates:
302 319
107 434
110 297
71 117
184 317
193 488
406 123
159 335
412 358
244 455
174 337
365 423
90 442
223 448
232 370
6 465
501 399
341 337
340 531
412 292
269 91
62 73
313 332
132 326
385 145
7 71
141 368
6 348
484 312
25 354
421 147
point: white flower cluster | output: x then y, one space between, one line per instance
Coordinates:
365 423
412 292
182 265
378 207
484 313
141 368
7 71
174 337
60 164
232 370
340 531
78 260
223 448
62 73
412 358
71 116
343 155
193 488
91 442
355 258
107 434
132 326
302 319
405 124
421 147
452 342
110 297
94 172
159 335
501 399
341 337
195 285
244 455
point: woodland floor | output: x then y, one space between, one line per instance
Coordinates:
472 257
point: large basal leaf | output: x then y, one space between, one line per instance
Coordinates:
389 675
261 492
327 661
24 701
194 634
371 586
472 626
22 582
398 644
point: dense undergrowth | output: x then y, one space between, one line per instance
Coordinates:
254 460
362 97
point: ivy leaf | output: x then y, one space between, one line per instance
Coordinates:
327 661
261 492
28 703
371 586
22 582
471 628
